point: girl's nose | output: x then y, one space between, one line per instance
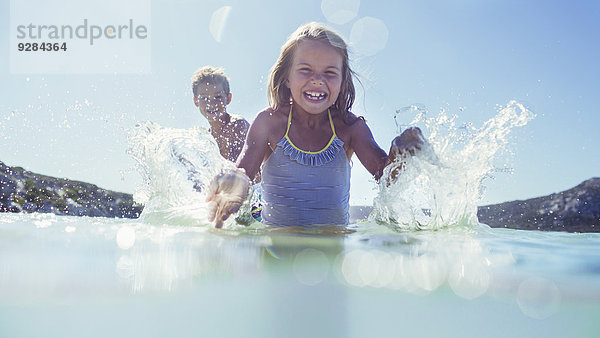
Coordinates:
317 79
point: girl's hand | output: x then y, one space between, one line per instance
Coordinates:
226 193
407 144
410 141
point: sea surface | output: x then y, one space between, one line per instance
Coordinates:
65 276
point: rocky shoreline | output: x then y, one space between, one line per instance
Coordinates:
24 191
573 210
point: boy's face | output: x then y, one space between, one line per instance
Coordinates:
212 100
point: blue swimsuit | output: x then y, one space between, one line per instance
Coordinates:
303 187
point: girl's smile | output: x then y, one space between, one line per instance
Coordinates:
315 96
315 76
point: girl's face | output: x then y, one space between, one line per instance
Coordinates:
315 76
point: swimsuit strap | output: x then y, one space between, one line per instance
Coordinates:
304 151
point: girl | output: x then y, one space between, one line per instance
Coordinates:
306 138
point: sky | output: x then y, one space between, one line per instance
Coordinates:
67 114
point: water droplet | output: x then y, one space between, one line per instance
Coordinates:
218 20
368 36
340 12
538 298
125 237
311 266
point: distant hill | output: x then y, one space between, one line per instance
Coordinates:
24 191
573 210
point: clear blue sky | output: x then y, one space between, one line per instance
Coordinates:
464 56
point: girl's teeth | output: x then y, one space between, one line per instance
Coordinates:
315 96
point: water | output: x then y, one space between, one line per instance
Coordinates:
442 185
64 276
420 265
177 166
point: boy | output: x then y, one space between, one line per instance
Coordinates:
212 95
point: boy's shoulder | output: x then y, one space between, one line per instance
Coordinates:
238 120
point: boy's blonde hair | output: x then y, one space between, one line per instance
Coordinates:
208 74
279 94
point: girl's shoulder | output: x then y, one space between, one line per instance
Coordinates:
348 121
272 116
271 123
351 128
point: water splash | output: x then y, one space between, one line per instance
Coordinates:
442 185
177 166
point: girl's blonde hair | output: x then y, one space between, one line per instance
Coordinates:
279 94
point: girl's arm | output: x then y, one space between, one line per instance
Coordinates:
229 189
256 145
373 158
